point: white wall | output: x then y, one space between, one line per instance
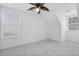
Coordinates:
54 26
74 35
32 29
65 11
56 19
0 23
62 11
77 8
0 28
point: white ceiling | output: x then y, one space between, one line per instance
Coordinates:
25 6
18 6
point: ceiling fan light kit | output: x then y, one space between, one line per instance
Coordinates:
38 7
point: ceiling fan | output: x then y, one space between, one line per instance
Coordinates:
38 7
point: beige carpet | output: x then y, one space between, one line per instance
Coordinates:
43 48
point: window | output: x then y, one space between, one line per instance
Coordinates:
10 25
73 23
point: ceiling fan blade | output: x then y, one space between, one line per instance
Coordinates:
44 8
38 4
32 3
42 3
31 8
39 12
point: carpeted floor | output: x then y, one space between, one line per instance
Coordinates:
43 48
